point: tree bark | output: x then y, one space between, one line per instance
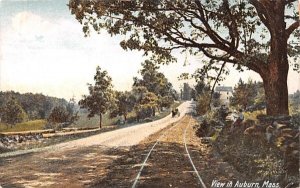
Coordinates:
275 77
276 89
100 120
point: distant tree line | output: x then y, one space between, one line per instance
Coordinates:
16 107
36 106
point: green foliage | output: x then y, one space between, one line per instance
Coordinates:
63 114
247 94
167 25
253 115
101 96
203 102
125 102
147 105
13 113
155 82
84 121
166 101
255 35
59 114
24 126
36 106
201 87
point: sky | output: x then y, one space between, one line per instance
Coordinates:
43 50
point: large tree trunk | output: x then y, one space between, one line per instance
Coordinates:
275 85
100 120
276 92
275 77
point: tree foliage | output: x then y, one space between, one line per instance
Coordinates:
59 114
36 106
146 106
125 102
12 113
203 103
101 96
247 94
146 102
258 35
64 114
156 82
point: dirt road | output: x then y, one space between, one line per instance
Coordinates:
75 163
127 136
116 161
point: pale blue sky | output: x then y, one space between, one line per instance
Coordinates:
43 50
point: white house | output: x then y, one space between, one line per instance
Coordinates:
225 94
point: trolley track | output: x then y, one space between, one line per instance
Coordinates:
167 145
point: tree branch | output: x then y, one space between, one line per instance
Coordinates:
216 81
292 28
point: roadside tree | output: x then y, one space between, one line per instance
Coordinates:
12 113
259 35
125 102
156 82
59 114
146 102
246 94
101 96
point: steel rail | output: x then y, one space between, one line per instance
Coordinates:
190 158
149 153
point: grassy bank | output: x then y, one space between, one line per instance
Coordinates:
24 126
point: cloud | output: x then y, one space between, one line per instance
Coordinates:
30 26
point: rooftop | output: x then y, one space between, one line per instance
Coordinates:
223 88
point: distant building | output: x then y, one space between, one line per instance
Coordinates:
225 94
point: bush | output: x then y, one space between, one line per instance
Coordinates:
203 103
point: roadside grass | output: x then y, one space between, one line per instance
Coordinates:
24 126
84 121
254 114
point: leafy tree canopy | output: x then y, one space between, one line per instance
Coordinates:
12 113
125 102
259 35
101 96
59 114
238 32
247 94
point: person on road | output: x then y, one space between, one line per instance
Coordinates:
175 112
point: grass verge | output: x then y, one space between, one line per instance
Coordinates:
24 126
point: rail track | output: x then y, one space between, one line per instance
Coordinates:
158 141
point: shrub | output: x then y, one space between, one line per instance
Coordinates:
203 103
